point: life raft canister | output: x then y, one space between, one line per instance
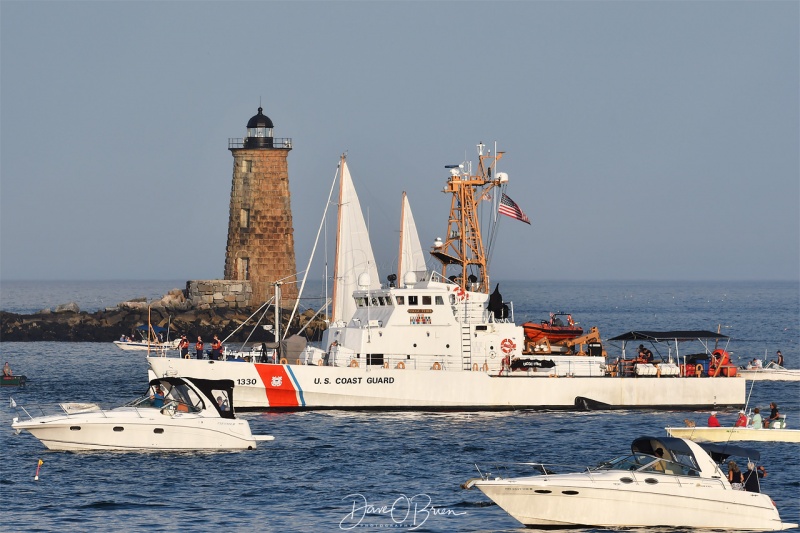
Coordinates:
507 346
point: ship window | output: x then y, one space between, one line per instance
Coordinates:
626 480
119 428
375 301
158 430
569 492
439 300
543 491
426 300
381 300
401 300
74 428
360 302
413 300
651 481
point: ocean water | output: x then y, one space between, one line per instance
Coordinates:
343 470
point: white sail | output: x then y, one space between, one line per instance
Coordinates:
355 263
411 259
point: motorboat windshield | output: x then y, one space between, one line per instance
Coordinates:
642 462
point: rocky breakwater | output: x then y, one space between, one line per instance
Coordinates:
68 323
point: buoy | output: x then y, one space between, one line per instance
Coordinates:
38 466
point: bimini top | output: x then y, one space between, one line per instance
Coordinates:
157 329
661 336
718 452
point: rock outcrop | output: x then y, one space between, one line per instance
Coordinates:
68 323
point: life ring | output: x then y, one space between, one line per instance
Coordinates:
284 361
353 363
507 346
401 365
459 293
698 370
474 367
436 366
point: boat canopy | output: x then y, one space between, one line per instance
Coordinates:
157 329
206 388
663 336
718 452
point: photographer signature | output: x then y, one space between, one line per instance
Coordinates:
405 511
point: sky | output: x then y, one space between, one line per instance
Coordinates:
644 140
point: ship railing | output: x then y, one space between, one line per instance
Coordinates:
277 142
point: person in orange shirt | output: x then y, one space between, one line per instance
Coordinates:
198 348
183 346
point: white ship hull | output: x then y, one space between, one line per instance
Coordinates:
271 386
769 374
608 503
708 434
138 433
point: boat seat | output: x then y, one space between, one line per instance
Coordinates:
780 423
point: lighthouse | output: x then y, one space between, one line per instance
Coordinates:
260 247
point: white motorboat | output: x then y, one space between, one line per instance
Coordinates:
151 339
175 414
685 488
440 340
777 432
771 372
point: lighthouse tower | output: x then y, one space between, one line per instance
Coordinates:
260 232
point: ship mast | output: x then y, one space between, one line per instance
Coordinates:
463 253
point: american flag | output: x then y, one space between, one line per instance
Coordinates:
509 208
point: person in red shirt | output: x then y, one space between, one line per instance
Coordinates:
184 347
712 420
198 348
741 422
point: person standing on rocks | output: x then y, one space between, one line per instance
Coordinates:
198 348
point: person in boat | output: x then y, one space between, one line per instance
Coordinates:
752 476
216 349
198 348
184 347
756 364
158 397
741 422
223 404
659 466
779 360
735 476
332 348
713 422
645 355
774 415
756 422
7 373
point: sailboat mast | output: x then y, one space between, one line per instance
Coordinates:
463 250
402 238
334 310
